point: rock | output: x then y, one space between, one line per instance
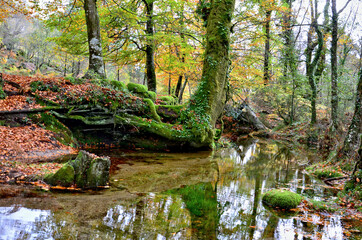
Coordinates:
86 171
28 66
98 172
138 89
91 172
283 199
63 177
168 100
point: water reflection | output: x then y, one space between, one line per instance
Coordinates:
182 196
22 223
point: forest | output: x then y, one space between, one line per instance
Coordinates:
173 104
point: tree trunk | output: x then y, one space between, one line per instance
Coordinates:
351 141
311 63
334 67
183 89
96 64
289 56
207 104
150 47
267 48
178 86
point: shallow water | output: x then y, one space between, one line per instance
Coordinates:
199 195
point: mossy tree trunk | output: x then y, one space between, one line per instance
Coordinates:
96 64
267 53
311 62
150 46
208 102
334 68
289 55
351 141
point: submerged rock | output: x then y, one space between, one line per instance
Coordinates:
283 199
86 171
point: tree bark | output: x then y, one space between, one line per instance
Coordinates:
334 67
351 141
208 102
311 63
267 48
289 56
96 64
150 47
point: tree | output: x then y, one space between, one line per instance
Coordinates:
351 141
311 63
289 55
150 46
208 102
96 64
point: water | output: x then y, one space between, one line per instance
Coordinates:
200 195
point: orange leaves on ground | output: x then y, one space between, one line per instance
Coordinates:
18 102
18 141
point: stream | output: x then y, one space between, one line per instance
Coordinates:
201 195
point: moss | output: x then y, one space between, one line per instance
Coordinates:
354 187
137 88
63 134
63 177
2 94
75 81
169 112
152 109
283 199
98 172
321 171
321 206
38 85
117 85
168 100
152 95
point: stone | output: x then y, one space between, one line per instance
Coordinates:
86 171
282 199
63 177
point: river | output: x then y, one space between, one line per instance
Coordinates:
200 195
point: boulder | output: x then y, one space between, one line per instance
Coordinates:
63 177
86 171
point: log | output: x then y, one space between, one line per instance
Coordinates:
248 115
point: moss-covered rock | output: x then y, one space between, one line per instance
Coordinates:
152 109
168 100
137 88
90 172
86 171
98 172
63 177
152 95
283 199
118 85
